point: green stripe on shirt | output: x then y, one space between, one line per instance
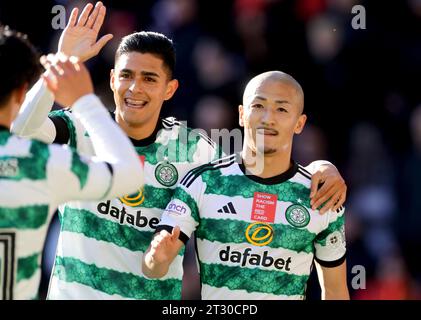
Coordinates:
111 282
27 267
27 217
252 279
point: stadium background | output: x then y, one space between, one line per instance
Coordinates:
362 98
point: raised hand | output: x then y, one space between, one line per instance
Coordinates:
67 78
79 38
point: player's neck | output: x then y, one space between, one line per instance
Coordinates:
5 116
137 132
266 166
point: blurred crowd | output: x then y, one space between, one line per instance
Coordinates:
361 97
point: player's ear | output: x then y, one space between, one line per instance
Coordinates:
299 126
172 86
112 79
241 115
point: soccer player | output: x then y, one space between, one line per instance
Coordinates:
35 177
257 235
100 243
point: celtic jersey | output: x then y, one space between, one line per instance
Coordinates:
100 245
256 238
34 179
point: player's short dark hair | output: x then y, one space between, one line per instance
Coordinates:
19 62
149 42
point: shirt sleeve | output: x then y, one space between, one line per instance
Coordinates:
74 177
315 165
116 170
205 150
184 208
65 125
32 120
330 244
111 145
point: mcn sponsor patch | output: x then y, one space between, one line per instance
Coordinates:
178 208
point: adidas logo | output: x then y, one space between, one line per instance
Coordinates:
229 208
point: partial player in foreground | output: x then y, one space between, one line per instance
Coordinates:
35 177
264 245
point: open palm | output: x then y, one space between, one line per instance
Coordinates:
79 38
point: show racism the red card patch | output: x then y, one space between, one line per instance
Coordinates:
264 207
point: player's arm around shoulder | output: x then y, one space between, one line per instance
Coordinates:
328 188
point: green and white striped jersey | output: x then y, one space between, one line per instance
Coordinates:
256 238
101 244
34 179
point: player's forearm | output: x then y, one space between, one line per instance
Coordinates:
32 120
333 281
111 144
339 292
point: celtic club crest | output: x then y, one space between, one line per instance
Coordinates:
297 216
166 174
